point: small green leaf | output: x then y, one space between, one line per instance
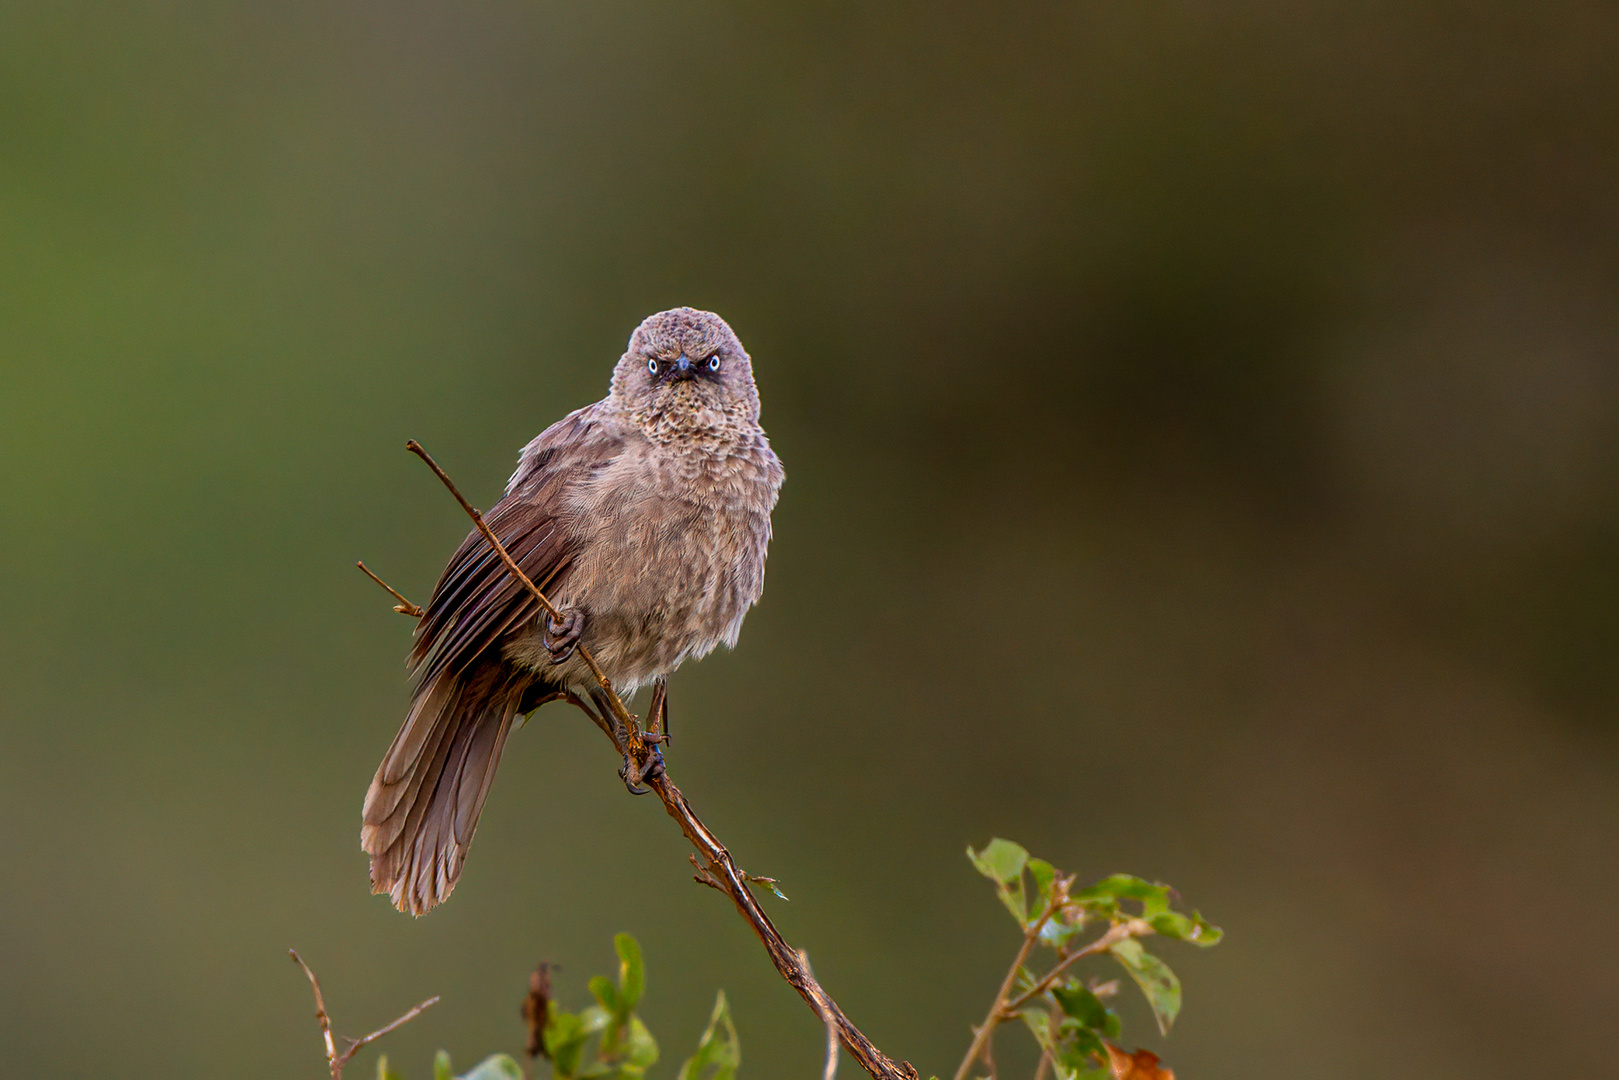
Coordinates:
383 1072
1157 982
1001 860
773 885
565 1061
631 972
719 1049
1154 898
1083 1058
592 1019
1086 1008
1045 876
1193 928
1081 1043
1038 1022
496 1067
601 987
565 1037
1064 927
640 1048
441 1066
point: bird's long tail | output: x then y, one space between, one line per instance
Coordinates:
423 804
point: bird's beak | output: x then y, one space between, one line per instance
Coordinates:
683 365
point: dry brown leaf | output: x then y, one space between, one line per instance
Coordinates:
1141 1065
537 1009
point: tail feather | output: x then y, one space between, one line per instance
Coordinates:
423 804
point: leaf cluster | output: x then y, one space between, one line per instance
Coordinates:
607 1040
1070 1019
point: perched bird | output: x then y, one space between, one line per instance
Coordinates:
644 519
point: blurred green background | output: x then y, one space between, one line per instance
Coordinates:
1202 431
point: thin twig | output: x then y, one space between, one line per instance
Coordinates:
1053 1026
334 1060
624 716
321 1017
1115 934
986 1031
411 1014
716 862
404 607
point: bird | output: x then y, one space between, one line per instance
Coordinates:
645 519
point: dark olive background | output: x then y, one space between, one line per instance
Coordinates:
1201 427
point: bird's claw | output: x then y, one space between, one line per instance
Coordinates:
633 773
560 638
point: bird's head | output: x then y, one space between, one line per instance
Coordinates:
685 370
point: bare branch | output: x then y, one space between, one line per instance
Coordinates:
1116 933
404 607
334 1060
716 868
321 1017
356 1045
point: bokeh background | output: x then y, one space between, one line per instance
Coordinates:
1202 430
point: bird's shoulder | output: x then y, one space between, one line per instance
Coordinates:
579 444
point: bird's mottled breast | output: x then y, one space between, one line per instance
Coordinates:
671 538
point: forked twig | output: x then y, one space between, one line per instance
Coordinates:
1115 934
716 868
1007 1004
334 1060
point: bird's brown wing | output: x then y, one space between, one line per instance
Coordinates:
477 600
424 802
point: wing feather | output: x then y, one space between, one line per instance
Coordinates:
477 601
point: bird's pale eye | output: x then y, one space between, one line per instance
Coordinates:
652 365
714 362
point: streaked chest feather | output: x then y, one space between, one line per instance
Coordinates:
671 545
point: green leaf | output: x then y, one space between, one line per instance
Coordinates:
1087 1009
719 1049
1081 1043
640 1049
1038 1022
1154 898
1157 982
1045 876
383 1072
565 1062
1062 928
631 972
593 1019
496 1067
1001 860
565 1037
1193 928
1084 1058
601 987
441 1066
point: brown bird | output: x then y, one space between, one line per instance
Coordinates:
644 519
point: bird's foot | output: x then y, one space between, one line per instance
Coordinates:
560 638
658 714
634 772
